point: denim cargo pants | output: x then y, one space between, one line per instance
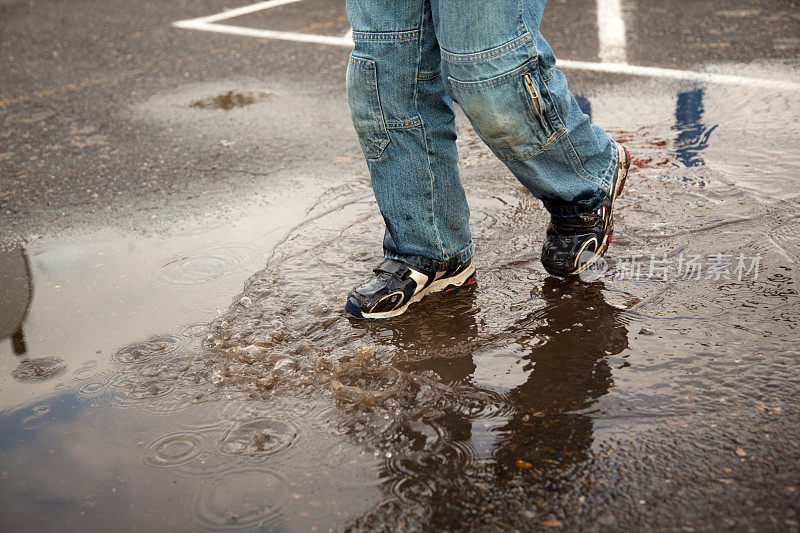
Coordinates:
412 59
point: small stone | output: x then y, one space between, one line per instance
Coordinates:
260 439
740 452
523 464
246 302
552 523
646 331
265 383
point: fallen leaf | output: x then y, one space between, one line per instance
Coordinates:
523 464
552 523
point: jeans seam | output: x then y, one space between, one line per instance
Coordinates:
406 35
411 123
420 33
486 54
556 136
521 14
532 43
577 165
428 75
608 177
495 80
369 65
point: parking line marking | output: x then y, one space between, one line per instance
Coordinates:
268 34
612 47
688 75
238 12
610 32
208 23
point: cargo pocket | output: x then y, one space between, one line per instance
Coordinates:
509 111
365 106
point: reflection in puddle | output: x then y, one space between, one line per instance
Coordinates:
231 100
692 137
15 297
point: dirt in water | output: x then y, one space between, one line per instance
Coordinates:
231 100
663 394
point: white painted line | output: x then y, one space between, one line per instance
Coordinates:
610 31
267 34
618 67
232 13
689 75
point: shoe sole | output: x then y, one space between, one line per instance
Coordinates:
619 187
462 279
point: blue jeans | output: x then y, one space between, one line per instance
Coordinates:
412 59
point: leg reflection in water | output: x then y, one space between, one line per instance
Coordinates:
15 297
569 341
459 445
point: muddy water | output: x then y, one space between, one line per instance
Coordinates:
525 401
231 100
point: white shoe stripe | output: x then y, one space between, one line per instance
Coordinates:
419 277
436 286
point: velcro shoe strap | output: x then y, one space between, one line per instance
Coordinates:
391 266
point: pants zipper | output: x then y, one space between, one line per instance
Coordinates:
532 91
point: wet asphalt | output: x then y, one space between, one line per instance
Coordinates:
148 171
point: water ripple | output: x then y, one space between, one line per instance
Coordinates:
172 450
258 439
241 500
195 269
39 369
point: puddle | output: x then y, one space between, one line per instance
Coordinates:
231 100
525 401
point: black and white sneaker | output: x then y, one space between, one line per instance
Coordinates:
396 286
573 244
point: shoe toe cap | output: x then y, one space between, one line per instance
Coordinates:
353 308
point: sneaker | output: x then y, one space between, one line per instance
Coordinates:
573 244
396 287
